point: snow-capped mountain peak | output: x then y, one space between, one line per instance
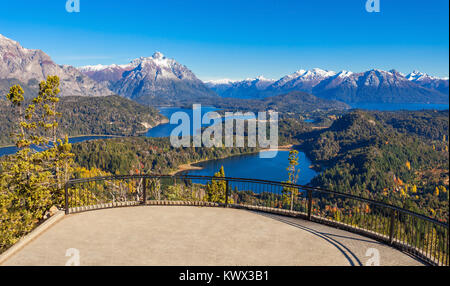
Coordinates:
158 60
315 73
158 64
304 80
99 67
321 73
158 55
419 76
344 74
428 81
262 78
220 81
259 78
151 79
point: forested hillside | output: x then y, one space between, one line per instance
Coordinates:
148 155
110 115
431 125
399 158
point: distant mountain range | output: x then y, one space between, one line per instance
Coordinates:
431 82
158 80
249 88
374 86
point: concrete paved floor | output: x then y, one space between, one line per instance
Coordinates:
163 235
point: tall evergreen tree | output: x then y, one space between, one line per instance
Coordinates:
215 190
32 182
290 193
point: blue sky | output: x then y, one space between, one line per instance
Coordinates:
238 38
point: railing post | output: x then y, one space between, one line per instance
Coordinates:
292 199
227 189
309 204
144 191
392 226
66 198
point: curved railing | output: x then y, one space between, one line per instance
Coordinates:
416 234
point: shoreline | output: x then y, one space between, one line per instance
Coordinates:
192 167
77 136
160 122
280 148
96 135
163 121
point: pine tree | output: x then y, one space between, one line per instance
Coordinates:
290 193
33 181
215 190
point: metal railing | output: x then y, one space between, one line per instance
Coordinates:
420 236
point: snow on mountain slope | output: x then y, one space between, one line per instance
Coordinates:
156 80
248 88
376 86
431 82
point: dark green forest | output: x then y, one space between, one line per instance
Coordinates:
399 158
110 115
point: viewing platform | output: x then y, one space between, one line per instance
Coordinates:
200 220
189 235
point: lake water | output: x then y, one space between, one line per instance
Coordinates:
398 106
11 150
254 167
165 130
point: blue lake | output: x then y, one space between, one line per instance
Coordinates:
254 167
165 130
11 150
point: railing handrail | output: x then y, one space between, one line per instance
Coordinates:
303 187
